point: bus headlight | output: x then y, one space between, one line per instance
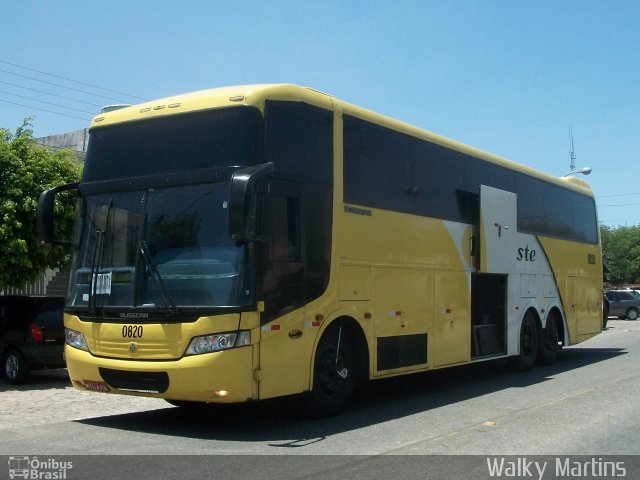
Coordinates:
218 341
75 339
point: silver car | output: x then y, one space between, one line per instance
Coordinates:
623 303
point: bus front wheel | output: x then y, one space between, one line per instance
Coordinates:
529 344
334 374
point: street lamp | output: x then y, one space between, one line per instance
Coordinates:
583 171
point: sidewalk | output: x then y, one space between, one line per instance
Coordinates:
48 397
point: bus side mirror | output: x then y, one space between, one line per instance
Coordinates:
45 214
241 200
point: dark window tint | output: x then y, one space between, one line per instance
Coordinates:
437 179
531 214
390 170
299 141
394 171
584 221
204 139
557 211
49 314
377 171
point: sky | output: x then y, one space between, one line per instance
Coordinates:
511 77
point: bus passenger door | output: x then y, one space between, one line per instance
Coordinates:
498 228
490 285
282 344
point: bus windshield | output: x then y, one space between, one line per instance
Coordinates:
159 249
153 232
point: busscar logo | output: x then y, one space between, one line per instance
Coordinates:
133 315
38 469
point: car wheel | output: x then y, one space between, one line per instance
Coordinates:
632 314
15 367
529 344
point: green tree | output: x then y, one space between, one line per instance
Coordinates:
621 253
26 169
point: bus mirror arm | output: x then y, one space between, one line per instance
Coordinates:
241 200
45 214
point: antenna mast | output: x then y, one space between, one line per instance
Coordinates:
572 152
572 155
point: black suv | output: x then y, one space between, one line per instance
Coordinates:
623 303
31 335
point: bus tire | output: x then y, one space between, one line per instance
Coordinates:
334 380
15 367
529 344
549 342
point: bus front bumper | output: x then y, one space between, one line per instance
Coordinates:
220 377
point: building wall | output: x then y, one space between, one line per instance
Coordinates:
76 140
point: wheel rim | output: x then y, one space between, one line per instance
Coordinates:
551 337
632 314
329 382
11 366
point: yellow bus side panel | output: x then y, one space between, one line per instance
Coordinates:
401 304
419 282
452 314
285 346
578 272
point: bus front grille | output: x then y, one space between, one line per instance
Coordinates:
140 382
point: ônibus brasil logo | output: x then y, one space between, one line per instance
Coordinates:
34 468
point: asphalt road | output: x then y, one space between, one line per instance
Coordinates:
587 403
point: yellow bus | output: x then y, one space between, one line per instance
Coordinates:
252 242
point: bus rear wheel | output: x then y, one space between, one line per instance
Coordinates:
529 344
334 375
549 342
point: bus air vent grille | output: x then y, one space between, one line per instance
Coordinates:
140 382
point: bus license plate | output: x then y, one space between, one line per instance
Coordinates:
95 386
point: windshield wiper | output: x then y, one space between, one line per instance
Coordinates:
156 277
97 262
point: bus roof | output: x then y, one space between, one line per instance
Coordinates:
255 95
